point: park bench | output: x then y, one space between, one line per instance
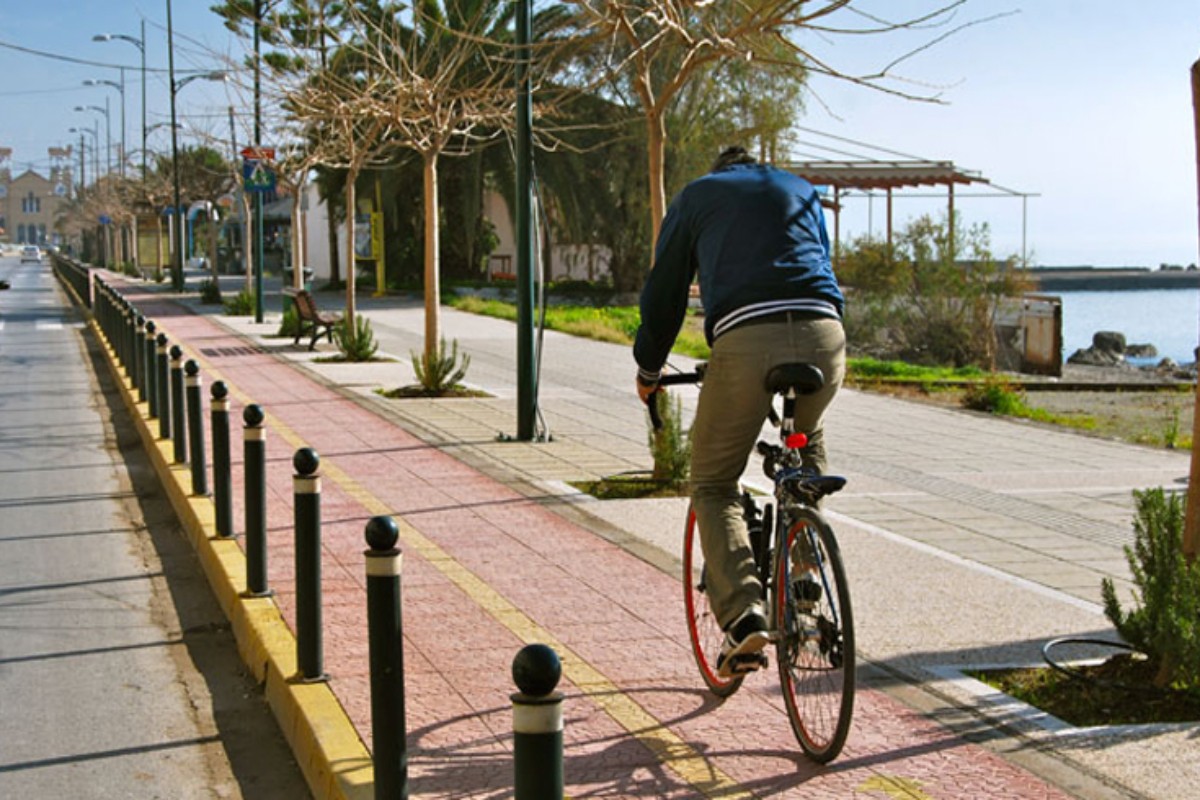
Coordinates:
312 320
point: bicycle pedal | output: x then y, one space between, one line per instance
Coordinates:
750 662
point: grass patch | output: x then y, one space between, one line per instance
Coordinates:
630 487
416 390
865 370
1116 692
614 324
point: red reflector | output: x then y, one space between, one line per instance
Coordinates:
796 441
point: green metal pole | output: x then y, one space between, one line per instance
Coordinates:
526 365
258 203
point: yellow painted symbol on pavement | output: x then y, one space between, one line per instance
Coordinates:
895 787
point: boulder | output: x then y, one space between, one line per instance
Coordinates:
1093 357
1109 342
1141 351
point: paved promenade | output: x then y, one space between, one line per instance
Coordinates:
969 541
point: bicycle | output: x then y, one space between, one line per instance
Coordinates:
805 590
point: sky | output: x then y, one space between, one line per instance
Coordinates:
1083 105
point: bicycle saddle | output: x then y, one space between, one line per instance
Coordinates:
804 378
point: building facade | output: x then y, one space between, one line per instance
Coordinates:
29 202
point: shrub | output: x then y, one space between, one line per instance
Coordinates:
241 304
355 338
210 292
995 396
1165 622
440 372
670 445
290 324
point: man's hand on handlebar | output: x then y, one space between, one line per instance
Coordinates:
646 390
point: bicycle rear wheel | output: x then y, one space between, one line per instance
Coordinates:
815 649
704 631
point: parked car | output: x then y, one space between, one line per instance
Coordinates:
30 253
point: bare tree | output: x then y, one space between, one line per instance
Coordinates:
648 50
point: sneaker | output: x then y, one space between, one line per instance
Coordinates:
745 639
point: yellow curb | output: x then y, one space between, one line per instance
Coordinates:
335 761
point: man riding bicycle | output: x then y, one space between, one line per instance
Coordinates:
756 236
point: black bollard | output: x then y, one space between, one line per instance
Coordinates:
386 648
151 368
128 332
178 411
136 352
222 472
195 427
307 489
537 724
254 449
162 383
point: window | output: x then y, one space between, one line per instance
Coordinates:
31 204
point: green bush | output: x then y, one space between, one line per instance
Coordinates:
210 292
241 304
355 339
290 324
670 445
995 396
440 372
1165 621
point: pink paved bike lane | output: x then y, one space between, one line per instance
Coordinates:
486 569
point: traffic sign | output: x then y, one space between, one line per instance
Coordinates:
256 176
259 153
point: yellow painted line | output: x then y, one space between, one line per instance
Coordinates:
894 787
672 751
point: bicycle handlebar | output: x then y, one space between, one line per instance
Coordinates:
673 379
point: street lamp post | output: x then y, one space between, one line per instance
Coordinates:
120 87
140 44
107 132
177 260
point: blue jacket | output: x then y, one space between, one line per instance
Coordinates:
756 235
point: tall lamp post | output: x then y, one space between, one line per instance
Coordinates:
140 44
107 132
120 87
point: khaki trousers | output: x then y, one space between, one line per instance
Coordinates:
729 418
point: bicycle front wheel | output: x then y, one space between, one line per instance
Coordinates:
815 649
704 631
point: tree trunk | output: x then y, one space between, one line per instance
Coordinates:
432 287
335 272
350 276
297 242
656 133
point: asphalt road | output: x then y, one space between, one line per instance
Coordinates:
118 675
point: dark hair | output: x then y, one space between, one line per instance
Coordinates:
735 154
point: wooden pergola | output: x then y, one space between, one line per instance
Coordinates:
881 175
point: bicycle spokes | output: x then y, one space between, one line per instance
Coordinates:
816 646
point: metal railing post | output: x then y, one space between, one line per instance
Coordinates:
255 464
195 426
307 518
537 724
389 749
151 368
178 411
222 471
162 383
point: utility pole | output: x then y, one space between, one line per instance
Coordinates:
526 362
258 196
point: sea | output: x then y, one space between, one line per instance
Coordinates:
1169 319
